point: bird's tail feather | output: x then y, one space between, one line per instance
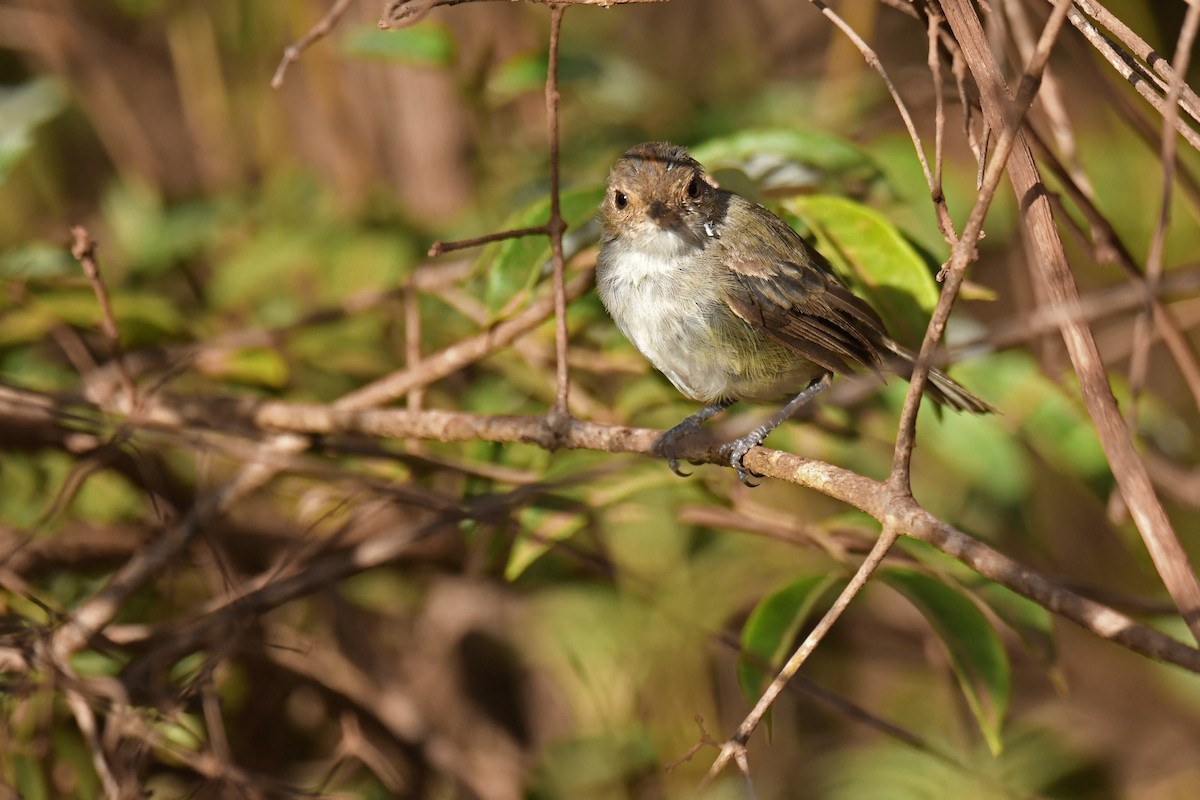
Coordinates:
940 387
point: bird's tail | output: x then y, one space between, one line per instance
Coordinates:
940 387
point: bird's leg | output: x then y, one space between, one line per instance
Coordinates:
737 449
666 445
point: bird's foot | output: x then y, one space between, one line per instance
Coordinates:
667 445
736 450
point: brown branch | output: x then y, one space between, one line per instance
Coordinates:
465 352
872 497
965 248
438 248
1136 77
100 609
1051 268
408 12
556 224
1109 246
1140 358
291 53
735 748
1157 64
83 249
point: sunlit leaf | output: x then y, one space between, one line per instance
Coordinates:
976 653
769 631
873 257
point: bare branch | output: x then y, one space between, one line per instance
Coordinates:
291 53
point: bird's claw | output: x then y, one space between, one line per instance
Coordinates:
673 463
665 446
736 451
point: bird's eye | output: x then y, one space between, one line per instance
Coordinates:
694 188
620 200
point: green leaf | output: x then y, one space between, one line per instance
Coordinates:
257 366
428 44
874 258
976 654
1031 622
768 633
527 72
774 156
37 260
541 528
519 262
22 109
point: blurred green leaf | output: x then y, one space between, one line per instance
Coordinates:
519 263
527 72
37 260
259 274
428 44
874 258
976 653
541 529
107 496
257 366
22 109
141 316
30 482
186 731
92 663
980 453
769 631
29 779
1032 623
154 238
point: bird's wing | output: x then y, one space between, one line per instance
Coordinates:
786 289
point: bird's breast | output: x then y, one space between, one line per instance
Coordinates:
673 310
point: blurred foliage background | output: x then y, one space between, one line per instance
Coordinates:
559 640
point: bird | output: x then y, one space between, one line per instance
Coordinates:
728 302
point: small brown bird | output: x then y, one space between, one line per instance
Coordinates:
729 302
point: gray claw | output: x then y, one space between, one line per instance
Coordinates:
736 450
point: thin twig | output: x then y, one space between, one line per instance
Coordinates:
1139 358
460 354
735 748
83 249
1158 65
1109 246
965 249
291 53
556 224
438 248
873 60
1154 256
1136 77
